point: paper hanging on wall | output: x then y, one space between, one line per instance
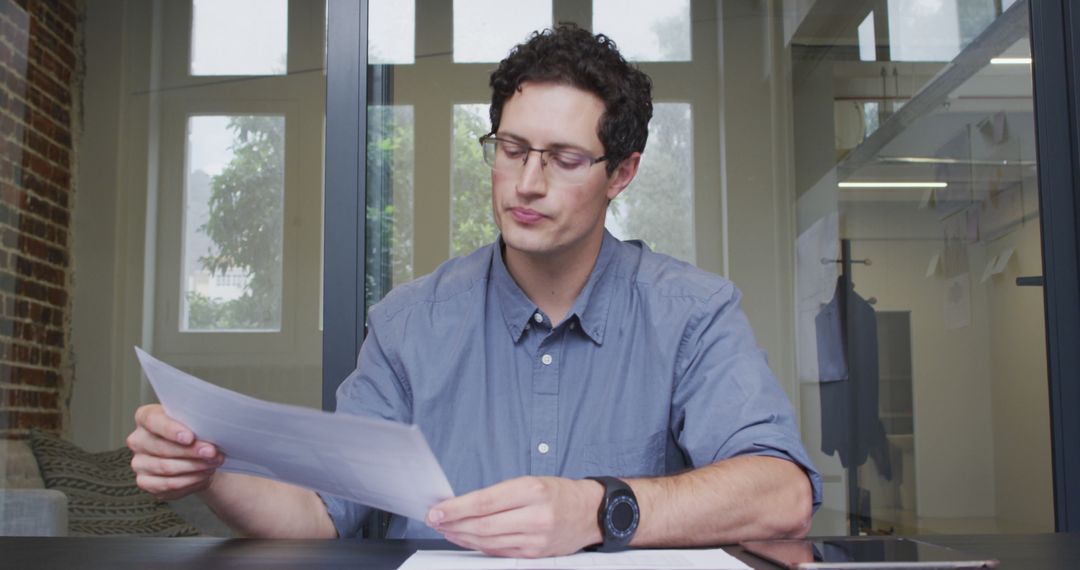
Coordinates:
955 258
927 199
1003 260
935 264
989 269
957 312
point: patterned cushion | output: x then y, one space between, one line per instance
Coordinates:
101 491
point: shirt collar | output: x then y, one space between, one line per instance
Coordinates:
590 308
517 309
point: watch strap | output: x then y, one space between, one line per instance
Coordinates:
614 489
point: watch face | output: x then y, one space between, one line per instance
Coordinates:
622 516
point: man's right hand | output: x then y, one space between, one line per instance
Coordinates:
169 461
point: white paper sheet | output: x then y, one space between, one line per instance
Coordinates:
626 560
957 302
935 264
379 463
1002 260
989 269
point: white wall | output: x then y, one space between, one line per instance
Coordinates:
109 222
951 367
756 182
1020 404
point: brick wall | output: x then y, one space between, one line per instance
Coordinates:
38 89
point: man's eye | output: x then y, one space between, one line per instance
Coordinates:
568 160
512 150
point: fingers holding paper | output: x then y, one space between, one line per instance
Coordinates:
526 517
169 461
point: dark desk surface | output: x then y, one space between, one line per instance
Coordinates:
1014 551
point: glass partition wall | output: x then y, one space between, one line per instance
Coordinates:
863 171
160 186
168 159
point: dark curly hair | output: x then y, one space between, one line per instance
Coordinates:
572 56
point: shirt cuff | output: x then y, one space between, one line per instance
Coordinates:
346 515
807 467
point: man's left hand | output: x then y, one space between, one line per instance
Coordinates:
529 517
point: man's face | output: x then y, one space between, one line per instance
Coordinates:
538 217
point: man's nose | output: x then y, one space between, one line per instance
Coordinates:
532 174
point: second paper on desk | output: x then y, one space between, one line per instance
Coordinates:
375 462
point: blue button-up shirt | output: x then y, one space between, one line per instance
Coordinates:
654 370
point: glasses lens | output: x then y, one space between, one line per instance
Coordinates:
489 151
563 166
567 166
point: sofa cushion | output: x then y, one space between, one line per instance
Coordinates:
33 512
102 496
18 468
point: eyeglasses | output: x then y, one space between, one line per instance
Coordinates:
561 166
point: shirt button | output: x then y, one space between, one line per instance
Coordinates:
546 359
543 448
538 318
573 325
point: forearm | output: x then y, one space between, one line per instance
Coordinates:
264 508
732 500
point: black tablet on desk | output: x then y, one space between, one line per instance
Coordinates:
862 552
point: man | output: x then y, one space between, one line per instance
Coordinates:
555 354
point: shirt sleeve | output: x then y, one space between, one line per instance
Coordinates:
726 401
373 389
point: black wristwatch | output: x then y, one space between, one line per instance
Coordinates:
618 515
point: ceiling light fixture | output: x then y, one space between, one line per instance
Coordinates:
893 185
935 160
1011 61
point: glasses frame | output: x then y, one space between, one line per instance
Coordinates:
491 137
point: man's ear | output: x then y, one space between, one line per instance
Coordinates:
623 175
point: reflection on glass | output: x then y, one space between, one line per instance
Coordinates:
923 31
485 30
239 37
393 39
923 364
645 30
233 208
955 426
471 225
658 206
867 39
389 225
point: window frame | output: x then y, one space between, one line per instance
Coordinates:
180 95
1055 39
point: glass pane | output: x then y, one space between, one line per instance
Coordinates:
471 225
73 72
389 224
935 30
658 206
484 30
38 163
646 30
796 135
394 39
867 39
239 37
927 404
233 214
